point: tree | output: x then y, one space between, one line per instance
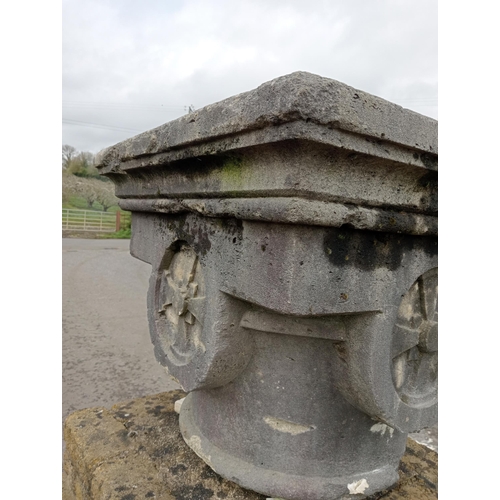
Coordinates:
91 190
87 190
75 186
105 195
70 186
82 179
68 153
82 165
78 163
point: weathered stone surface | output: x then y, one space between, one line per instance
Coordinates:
300 149
135 451
298 97
292 233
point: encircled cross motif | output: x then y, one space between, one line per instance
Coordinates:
181 305
415 342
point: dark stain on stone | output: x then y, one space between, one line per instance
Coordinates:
369 250
204 243
429 180
430 161
404 469
231 227
428 483
420 456
123 435
156 411
123 414
198 492
192 231
208 473
162 452
341 351
121 488
221 494
177 468
149 494
130 496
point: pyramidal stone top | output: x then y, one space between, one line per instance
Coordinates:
298 97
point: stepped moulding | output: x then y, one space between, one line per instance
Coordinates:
292 234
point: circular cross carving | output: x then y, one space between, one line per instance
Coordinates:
415 343
179 305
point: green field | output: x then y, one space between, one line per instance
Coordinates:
80 203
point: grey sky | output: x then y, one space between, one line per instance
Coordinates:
129 66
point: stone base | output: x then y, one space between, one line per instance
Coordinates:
136 451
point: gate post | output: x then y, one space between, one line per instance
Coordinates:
292 233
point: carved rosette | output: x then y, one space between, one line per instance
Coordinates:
415 343
180 304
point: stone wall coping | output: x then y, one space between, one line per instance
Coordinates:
135 450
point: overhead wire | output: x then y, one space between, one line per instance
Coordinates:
100 105
97 125
73 104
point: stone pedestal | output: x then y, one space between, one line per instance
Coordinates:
292 234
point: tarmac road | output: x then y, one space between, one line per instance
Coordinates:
107 354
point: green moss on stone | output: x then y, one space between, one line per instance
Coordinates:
232 175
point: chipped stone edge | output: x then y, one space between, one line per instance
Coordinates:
178 405
358 487
281 425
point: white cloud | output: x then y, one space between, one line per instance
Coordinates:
186 52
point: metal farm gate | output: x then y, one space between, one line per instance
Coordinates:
90 220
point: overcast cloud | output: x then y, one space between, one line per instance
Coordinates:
129 66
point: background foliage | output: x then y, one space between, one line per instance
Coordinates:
83 187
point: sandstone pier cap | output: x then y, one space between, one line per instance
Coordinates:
292 234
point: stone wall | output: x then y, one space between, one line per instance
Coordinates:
135 451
